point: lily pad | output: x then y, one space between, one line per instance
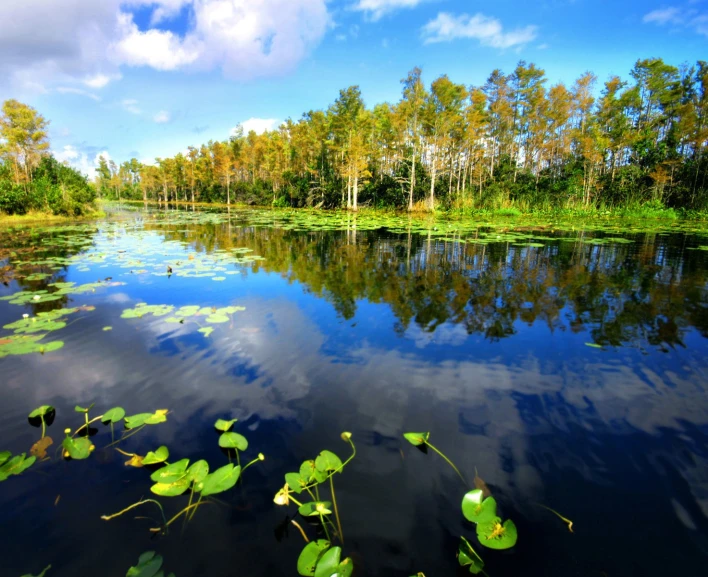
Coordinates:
148 566
134 421
173 488
467 557
223 425
171 473
158 456
295 482
16 465
328 564
477 509
327 461
42 411
310 555
233 441
113 415
315 508
198 471
220 480
79 448
417 439
497 535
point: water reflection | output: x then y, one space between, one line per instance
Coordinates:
484 345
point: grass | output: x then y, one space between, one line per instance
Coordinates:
44 217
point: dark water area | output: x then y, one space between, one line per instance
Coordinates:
564 369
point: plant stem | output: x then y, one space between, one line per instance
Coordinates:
124 437
238 458
196 505
44 430
336 510
449 462
296 501
133 506
249 464
324 526
294 522
85 425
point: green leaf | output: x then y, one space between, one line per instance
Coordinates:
83 409
467 557
593 345
171 473
310 555
314 508
327 461
220 480
4 456
495 535
222 425
328 563
417 439
172 489
233 441
41 411
477 509
198 471
295 482
135 421
113 415
78 448
16 465
307 471
346 568
148 565
206 331
159 456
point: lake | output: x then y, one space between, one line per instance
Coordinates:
564 364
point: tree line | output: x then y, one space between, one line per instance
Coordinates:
514 141
31 179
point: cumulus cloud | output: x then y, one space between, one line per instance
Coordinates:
162 117
87 42
257 125
679 17
375 9
82 159
487 29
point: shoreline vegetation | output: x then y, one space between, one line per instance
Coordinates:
514 145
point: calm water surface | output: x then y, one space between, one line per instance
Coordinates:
488 346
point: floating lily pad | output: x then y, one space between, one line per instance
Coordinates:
310 555
79 448
113 415
159 416
295 482
158 456
328 563
327 461
220 480
477 509
417 439
315 508
497 535
171 473
42 411
222 425
233 441
15 465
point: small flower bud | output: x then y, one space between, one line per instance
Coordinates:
346 436
261 457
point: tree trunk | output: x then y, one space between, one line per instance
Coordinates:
355 194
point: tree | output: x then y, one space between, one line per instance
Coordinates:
24 138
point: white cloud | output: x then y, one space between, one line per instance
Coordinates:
162 117
375 9
82 161
488 30
680 17
257 125
131 105
78 91
88 41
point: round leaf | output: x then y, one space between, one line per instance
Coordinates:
148 565
222 425
314 508
477 509
159 456
327 461
78 448
295 482
233 441
495 535
198 471
172 489
328 563
346 568
41 411
171 473
220 480
311 553
113 415
467 557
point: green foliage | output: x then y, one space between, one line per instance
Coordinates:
14 465
149 565
467 557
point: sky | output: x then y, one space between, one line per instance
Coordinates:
145 79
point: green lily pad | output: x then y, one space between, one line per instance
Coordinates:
417 439
233 441
315 508
495 535
148 566
477 509
4 456
79 409
467 557
198 471
171 473
216 318
220 480
173 488
327 461
345 568
310 555
295 482
79 448
41 411
328 564
113 415
134 421
206 331
158 456
16 465
223 425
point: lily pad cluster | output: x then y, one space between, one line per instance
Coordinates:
196 313
491 531
320 559
63 289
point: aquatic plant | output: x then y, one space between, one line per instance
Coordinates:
10 465
422 440
42 574
319 558
149 565
45 414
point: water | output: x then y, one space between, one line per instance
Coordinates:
487 346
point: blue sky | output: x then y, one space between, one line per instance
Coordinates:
143 78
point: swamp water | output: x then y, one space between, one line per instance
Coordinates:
564 365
